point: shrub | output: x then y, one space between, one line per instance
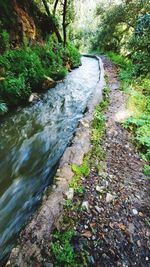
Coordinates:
73 54
62 249
24 68
139 45
13 90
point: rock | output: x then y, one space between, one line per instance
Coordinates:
91 259
131 228
105 183
70 193
109 198
33 97
85 205
134 211
103 174
98 209
100 188
48 83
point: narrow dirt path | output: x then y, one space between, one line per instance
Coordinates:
114 229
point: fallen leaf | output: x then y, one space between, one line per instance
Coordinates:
87 234
122 226
111 225
93 225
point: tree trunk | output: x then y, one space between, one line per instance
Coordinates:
55 7
64 22
51 18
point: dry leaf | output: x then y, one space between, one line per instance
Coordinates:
87 234
122 226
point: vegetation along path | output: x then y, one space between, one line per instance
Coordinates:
106 221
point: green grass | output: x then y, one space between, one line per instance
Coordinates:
98 128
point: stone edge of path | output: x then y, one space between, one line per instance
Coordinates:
38 230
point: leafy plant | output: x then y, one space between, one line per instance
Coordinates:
147 169
62 249
24 68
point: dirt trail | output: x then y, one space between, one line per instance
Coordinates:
115 228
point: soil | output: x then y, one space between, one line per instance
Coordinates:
114 228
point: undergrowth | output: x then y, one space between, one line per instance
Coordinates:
23 70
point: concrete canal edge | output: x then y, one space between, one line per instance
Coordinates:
36 234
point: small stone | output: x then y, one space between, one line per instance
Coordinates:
131 228
139 243
134 211
103 174
105 183
98 209
99 188
70 193
109 198
85 227
147 259
91 260
85 205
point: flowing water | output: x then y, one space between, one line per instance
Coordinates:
32 141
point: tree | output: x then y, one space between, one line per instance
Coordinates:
117 24
68 17
52 20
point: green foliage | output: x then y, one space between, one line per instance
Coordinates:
98 127
73 54
139 45
140 126
125 29
82 170
62 249
147 169
13 90
24 68
118 59
68 203
4 40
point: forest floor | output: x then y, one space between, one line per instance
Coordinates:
113 228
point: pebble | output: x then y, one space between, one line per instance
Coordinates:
98 209
70 193
109 197
134 211
85 205
99 188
